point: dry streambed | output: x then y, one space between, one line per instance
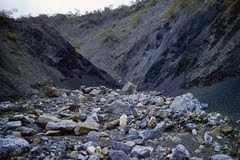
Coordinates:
101 123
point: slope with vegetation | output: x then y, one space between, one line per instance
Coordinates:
33 54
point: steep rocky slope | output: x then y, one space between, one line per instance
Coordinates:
171 45
33 54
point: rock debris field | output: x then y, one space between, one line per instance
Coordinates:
100 123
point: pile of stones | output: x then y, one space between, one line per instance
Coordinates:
101 123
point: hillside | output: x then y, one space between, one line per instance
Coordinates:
170 45
33 55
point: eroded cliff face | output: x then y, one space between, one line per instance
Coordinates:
176 46
33 54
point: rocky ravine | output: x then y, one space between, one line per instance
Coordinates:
102 123
176 46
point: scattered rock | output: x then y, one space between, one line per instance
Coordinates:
226 128
129 88
117 155
153 133
159 101
83 99
152 122
221 157
25 131
44 119
63 125
122 146
113 124
14 124
83 128
93 157
186 103
123 120
179 153
141 151
12 146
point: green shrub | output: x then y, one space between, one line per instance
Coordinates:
136 19
230 2
150 4
11 36
175 8
109 36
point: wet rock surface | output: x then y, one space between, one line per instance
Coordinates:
112 124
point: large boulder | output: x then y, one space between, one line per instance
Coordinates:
129 88
180 153
141 151
221 157
63 125
186 103
117 155
153 133
45 118
12 146
83 128
118 107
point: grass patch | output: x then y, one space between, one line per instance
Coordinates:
11 36
150 4
175 8
137 19
110 35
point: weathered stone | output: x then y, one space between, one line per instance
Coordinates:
18 117
95 92
159 101
118 107
179 153
83 99
221 157
44 119
93 135
153 133
207 138
123 120
216 132
64 125
152 122
14 124
105 150
141 151
93 157
74 154
226 128
129 88
117 155
49 91
186 103
83 128
91 149
53 133
113 124
12 146
122 146
25 131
